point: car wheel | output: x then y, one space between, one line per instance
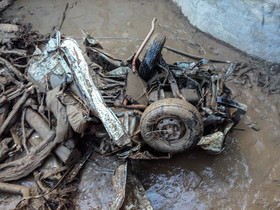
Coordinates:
152 57
171 125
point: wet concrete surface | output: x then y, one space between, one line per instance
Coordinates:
246 175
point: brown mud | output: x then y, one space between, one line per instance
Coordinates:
246 175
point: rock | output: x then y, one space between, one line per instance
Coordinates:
249 25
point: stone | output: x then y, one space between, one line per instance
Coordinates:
249 25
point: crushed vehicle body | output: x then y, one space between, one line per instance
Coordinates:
151 113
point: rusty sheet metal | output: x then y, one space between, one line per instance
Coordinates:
49 65
212 143
59 63
130 121
136 89
88 89
119 184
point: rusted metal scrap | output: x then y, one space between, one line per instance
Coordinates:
213 143
188 81
119 183
92 95
76 68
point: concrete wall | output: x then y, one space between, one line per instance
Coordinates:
252 26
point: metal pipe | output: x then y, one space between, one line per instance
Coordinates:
143 45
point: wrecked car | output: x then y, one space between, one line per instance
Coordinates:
149 109
71 106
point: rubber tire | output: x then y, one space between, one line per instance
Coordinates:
152 57
175 108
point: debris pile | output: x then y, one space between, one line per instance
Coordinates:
52 101
32 142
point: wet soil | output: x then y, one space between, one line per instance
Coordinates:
245 175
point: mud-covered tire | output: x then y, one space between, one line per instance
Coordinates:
152 57
171 125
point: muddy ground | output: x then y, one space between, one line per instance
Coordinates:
245 175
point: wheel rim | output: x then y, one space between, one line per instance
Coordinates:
171 129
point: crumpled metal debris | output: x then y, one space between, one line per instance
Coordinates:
91 93
74 67
212 143
119 182
49 66
79 99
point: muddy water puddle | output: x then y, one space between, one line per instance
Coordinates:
247 173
